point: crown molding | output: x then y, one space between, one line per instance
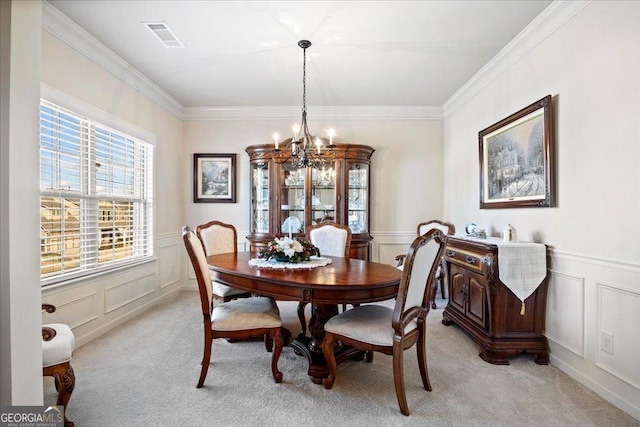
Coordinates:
60 26
545 24
327 113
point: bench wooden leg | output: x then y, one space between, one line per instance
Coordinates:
65 382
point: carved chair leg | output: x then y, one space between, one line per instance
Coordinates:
303 320
329 356
65 381
421 348
276 335
206 359
398 378
435 293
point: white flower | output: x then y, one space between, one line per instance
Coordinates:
289 246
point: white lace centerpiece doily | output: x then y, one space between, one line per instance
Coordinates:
314 262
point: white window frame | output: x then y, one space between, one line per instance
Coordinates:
104 120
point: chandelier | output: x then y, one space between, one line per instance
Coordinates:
303 149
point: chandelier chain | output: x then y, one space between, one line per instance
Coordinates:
304 79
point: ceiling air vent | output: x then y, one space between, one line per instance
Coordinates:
163 33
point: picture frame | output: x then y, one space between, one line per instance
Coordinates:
517 159
214 178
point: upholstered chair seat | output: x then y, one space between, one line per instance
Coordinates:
367 323
246 313
227 293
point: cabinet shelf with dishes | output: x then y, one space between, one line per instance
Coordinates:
337 190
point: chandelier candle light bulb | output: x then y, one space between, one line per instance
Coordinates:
276 137
296 131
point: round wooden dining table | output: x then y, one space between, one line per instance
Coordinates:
344 281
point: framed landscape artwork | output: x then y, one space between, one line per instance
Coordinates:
516 159
214 178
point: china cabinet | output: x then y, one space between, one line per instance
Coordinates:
486 309
285 199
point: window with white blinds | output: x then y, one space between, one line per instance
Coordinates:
96 196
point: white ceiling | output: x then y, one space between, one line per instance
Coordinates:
364 53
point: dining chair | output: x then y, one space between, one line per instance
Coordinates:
218 237
378 328
332 239
423 227
237 319
58 343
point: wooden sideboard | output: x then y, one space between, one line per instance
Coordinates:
487 310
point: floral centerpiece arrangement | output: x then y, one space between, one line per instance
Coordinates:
286 249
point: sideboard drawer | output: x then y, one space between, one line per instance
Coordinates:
464 258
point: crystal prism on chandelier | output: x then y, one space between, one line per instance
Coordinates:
305 150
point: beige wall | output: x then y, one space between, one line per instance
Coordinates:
406 170
591 66
95 304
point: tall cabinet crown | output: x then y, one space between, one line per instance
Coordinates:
286 200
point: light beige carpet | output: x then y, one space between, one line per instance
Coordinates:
144 373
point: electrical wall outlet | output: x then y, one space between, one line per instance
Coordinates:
606 342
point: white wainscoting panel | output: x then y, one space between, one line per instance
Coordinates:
615 305
74 312
565 311
124 293
385 246
607 291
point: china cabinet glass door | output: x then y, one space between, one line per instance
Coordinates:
358 198
259 198
323 193
292 197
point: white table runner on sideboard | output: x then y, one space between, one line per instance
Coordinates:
522 266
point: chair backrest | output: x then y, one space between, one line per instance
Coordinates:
331 238
217 237
445 227
417 281
200 267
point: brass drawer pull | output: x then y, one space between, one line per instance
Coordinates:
470 259
451 253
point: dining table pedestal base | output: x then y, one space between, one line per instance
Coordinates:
311 347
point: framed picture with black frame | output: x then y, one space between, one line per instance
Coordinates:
214 178
517 159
